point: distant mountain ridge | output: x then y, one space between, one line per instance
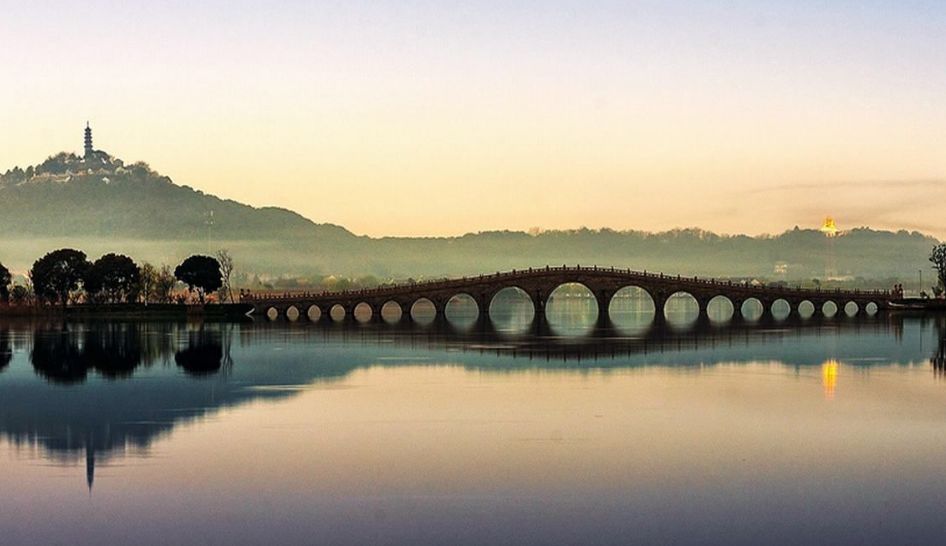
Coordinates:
100 204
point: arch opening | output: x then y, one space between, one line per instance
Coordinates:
337 312
423 311
461 310
681 309
391 312
781 309
806 309
632 309
871 308
720 309
314 313
829 309
363 312
851 309
511 310
571 309
292 313
272 313
752 309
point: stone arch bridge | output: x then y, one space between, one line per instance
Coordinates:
539 283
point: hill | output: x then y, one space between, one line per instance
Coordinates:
100 204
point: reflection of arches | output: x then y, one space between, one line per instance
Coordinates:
806 309
720 309
851 308
272 313
829 309
292 313
871 308
313 313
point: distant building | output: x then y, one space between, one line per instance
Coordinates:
88 141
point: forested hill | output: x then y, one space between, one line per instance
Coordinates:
101 205
67 195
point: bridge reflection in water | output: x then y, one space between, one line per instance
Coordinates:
538 286
95 391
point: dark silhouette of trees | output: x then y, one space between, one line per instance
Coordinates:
200 274
59 274
5 280
938 258
113 278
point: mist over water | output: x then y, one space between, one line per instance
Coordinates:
509 431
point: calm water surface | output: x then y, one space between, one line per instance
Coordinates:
828 432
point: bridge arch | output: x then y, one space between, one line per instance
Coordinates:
720 308
272 313
511 309
461 309
829 309
682 308
392 312
363 312
313 313
851 308
572 308
871 308
292 313
752 309
632 309
781 309
423 310
337 312
806 309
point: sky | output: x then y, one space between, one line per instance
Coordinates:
417 118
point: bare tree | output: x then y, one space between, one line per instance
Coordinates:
226 271
938 258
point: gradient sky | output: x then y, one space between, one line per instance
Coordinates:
439 118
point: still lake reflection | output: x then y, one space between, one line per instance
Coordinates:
570 432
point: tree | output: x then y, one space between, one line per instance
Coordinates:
21 295
200 274
147 282
113 278
58 274
938 258
164 288
5 280
226 271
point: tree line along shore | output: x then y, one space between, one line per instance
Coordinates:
67 279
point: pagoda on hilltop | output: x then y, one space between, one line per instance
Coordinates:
88 141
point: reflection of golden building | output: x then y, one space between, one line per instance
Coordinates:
829 378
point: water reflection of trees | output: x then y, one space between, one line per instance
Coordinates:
68 354
938 360
6 349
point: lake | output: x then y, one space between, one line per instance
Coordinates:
511 431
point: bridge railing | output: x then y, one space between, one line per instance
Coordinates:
438 284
